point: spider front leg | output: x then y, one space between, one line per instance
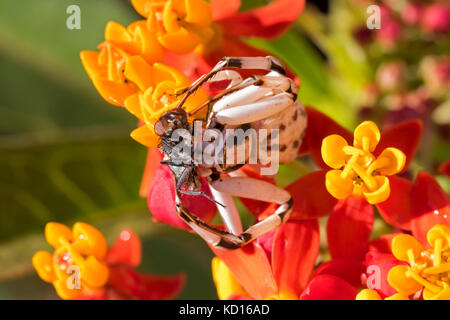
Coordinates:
258 190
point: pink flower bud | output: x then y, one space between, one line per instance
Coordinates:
391 76
389 33
436 18
411 13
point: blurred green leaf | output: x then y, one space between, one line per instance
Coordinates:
306 63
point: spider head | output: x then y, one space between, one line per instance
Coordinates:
170 121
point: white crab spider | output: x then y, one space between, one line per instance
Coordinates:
261 102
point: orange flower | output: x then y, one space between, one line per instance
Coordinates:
106 68
82 267
158 85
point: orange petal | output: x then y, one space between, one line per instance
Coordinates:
88 240
366 130
295 249
398 279
43 263
146 136
249 265
54 231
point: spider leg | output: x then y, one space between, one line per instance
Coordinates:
244 187
263 63
259 190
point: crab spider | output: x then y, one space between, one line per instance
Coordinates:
259 102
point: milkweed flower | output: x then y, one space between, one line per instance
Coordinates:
420 269
197 34
356 170
158 85
83 267
278 266
106 68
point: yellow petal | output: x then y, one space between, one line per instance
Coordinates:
54 231
140 72
198 12
165 72
444 294
180 41
402 243
397 296
368 294
391 161
332 153
116 32
43 263
170 18
338 187
366 136
142 7
381 193
88 240
439 231
225 282
132 103
146 136
403 284
114 93
64 291
150 49
94 272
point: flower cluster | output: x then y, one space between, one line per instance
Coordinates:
83 267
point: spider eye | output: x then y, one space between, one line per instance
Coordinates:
159 128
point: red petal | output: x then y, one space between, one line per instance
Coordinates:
266 242
126 250
378 266
430 205
382 244
251 268
154 158
135 285
445 168
349 270
404 136
319 127
268 21
328 287
396 210
311 198
223 9
295 249
161 200
349 228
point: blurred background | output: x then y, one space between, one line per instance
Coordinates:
66 155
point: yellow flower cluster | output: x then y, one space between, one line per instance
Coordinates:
75 267
128 70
